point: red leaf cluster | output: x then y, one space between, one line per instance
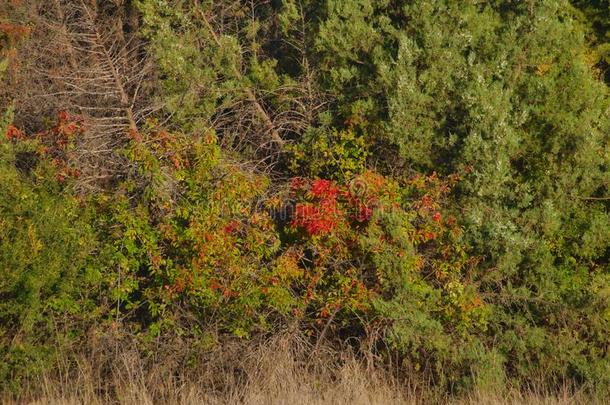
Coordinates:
13 133
324 189
316 220
297 183
437 217
325 204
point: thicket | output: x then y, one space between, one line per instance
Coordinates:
427 181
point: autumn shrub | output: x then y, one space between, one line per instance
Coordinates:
187 242
193 238
188 232
387 262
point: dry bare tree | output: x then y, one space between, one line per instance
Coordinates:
85 57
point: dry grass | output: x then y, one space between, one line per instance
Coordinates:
269 373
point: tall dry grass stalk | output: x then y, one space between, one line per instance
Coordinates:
281 370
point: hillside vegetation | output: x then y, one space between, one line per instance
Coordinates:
415 192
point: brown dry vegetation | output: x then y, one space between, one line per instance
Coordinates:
281 370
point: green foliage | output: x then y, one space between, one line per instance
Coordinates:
190 237
3 67
7 119
595 15
506 90
215 74
45 246
330 153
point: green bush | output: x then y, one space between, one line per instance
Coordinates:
47 276
509 92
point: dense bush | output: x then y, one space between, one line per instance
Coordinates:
46 247
337 256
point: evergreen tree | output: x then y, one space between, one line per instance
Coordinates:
505 89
